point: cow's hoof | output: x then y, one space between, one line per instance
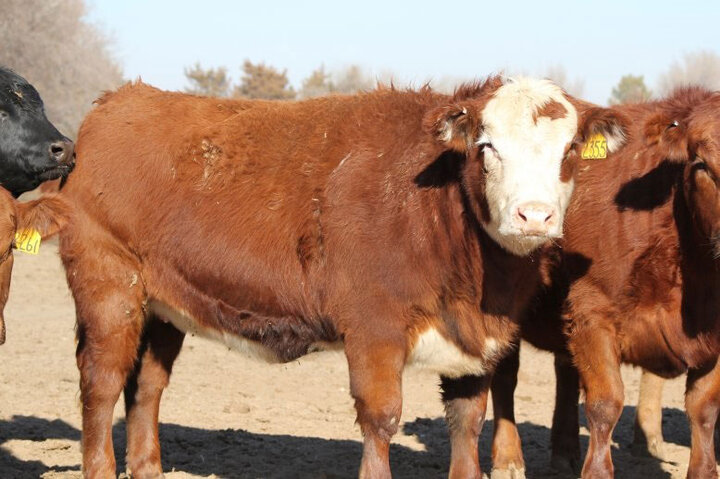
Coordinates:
568 466
511 472
149 474
654 448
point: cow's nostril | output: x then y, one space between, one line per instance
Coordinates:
62 151
535 216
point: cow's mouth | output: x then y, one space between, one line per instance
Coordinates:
55 172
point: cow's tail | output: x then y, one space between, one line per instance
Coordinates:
47 214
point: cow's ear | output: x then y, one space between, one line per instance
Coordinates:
455 125
669 135
609 122
48 214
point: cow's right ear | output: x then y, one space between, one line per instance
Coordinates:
456 125
669 135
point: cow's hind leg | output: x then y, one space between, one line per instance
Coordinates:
465 402
160 345
507 457
566 426
647 436
109 307
375 366
702 402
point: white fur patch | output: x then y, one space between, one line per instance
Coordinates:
187 324
523 164
432 351
615 138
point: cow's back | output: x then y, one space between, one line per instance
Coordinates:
226 196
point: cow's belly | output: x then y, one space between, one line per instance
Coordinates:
430 350
183 321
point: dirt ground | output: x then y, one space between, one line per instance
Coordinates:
225 416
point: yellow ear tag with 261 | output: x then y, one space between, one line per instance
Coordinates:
28 241
595 147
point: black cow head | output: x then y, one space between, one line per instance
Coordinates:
32 150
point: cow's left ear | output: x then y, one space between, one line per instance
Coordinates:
610 123
456 125
669 135
47 214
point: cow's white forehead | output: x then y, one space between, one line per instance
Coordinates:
510 117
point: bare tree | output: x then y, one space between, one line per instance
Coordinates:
207 82
698 68
630 89
263 81
558 74
352 79
68 59
317 84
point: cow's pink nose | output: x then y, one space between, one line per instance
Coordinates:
535 218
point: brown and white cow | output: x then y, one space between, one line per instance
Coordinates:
385 222
638 282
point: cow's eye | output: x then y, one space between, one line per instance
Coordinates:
699 164
485 144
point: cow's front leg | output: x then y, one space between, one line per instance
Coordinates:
598 363
702 401
376 365
565 426
507 457
8 222
647 437
6 266
465 400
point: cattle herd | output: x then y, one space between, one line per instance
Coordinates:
402 226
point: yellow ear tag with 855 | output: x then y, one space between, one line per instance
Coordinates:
595 147
28 241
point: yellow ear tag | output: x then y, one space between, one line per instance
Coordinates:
595 147
28 241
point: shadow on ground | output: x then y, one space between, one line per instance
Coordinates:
241 454
29 428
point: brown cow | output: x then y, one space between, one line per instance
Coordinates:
638 283
46 214
380 221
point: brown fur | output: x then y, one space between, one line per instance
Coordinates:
639 279
552 109
8 226
46 214
341 218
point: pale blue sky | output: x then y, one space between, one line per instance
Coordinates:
419 40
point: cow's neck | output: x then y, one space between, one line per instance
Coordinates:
700 273
502 281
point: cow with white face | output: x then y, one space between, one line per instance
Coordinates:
397 224
526 135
